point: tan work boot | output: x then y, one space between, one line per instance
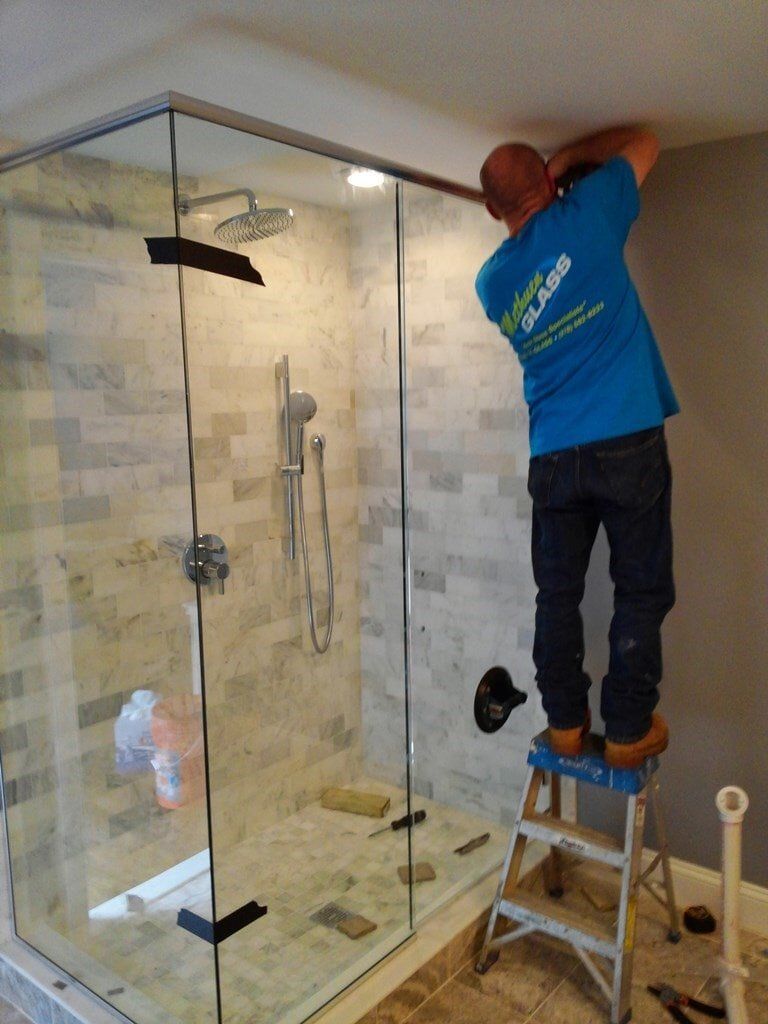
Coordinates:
632 755
569 742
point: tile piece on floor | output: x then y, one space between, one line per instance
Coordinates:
356 927
422 872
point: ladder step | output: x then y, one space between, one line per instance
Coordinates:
573 838
547 916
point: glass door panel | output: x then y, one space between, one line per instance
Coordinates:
100 723
290 299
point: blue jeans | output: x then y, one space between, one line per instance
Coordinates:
625 484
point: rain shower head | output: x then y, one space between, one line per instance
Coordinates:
250 226
253 225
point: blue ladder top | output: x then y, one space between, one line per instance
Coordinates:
590 765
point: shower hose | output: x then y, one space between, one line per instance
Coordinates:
321 646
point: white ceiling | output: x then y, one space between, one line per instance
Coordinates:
696 68
421 81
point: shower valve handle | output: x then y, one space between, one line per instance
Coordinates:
211 570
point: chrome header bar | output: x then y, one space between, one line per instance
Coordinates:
181 104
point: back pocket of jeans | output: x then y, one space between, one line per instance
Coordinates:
636 477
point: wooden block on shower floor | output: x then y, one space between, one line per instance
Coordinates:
355 801
356 926
422 872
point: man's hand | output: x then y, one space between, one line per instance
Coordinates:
639 146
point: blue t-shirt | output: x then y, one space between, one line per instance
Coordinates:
561 293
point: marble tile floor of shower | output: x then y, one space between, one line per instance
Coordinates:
274 967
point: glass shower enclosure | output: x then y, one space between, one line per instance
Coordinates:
229 651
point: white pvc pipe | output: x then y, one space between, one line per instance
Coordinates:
732 804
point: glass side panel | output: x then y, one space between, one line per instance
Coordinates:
289 725
100 724
473 592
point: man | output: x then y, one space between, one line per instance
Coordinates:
598 395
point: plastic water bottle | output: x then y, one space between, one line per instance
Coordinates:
134 747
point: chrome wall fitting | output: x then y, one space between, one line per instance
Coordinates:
298 408
206 560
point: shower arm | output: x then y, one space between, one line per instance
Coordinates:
186 204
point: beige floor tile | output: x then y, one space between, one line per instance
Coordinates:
461 1005
415 990
756 999
685 965
755 951
575 999
526 972
464 947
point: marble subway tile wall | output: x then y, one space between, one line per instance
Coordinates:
96 463
284 722
379 514
96 500
473 593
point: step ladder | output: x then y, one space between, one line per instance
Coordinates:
534 913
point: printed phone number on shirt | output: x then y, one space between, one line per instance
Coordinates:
566 325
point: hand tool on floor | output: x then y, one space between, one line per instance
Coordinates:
673 1001
404 822
473 844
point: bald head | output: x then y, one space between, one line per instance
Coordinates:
514 180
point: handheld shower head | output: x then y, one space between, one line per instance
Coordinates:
301 408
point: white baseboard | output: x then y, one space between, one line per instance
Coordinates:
695 884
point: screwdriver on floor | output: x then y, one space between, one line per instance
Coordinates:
404 822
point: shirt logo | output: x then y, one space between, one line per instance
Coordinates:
528 306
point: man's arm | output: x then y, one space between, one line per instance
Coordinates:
639 146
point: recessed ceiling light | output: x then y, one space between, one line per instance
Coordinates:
364 177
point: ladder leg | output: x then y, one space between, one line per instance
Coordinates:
512 862
553 865
674 934
621 1004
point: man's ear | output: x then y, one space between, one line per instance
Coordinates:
493 211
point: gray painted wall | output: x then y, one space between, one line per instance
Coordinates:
699 256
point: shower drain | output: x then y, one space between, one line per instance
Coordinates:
331 915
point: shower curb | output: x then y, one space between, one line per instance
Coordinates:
43 995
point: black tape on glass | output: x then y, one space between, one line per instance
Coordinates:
202 257
222 929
